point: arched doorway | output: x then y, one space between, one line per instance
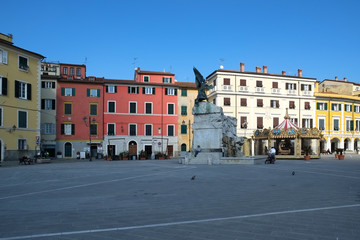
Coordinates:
68 150
183 147
334 144
347 144
132 149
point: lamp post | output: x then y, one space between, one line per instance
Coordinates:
91 120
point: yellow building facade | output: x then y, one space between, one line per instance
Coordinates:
186 100
338 115
19 100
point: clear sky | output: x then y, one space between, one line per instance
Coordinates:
322 37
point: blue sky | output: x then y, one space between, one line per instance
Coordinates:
114 37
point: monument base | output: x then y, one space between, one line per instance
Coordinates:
214 158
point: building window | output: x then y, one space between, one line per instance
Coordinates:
67 108
166 79
321 124
48 128
183 110
22 90
78 71
111 106
292 104
290 86
146 79
321 106
23 63
170 130
348 108
336 125
72 71
357 108
132 107
132 129
67 129
183 129
243 122
111 89
274 103
243 102
148 130
47 84
93 109
170 91
336 107
294 121
226 81
260 102
305 87
22 119
3 56
67 91
22 144
259 121
133 90
93 92
259 84
111 129
184 92
275 85
48 104
243 82
170 108
226 101
148 90
93 129
3 86
307 123
65 70
307 106
148 108
275 122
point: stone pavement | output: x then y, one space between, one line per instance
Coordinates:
157 199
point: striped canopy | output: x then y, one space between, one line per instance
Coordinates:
286 124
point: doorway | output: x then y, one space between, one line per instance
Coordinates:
132 149
68 150
111 151
170 150
148 150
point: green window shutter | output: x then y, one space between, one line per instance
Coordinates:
350 108
62 129
73 92
325 106
17 83
88 92
332 106
183 129
351 125
28 88
340 107
184 92
318 106
184 110
72 129
163 79
98 92
62 91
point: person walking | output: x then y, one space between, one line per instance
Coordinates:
272 154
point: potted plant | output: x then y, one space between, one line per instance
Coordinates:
59 154
124 155
340 155
78 155
160 155
307 151
142 155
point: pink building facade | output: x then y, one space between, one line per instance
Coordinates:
141 115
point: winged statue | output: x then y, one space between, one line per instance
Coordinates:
202 86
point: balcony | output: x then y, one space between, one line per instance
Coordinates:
291 92
275 90
307 93
227 88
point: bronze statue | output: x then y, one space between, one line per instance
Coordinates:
202 86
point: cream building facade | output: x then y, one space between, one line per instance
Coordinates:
19 100
259 100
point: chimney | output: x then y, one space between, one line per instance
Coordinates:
265 69
336 78
283 73
242 67
300 72
345 79
258 69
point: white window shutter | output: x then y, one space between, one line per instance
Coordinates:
5 57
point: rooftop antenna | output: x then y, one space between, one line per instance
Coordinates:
134 63
221 63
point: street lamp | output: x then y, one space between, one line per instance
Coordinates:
91 120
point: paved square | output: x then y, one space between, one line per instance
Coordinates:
158 200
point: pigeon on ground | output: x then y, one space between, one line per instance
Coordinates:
193 177
293 173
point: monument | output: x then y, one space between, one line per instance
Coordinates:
214 140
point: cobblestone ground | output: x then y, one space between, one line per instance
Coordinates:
292 199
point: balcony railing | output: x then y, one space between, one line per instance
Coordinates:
227 87
291 92
260 89
275 90
243 88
